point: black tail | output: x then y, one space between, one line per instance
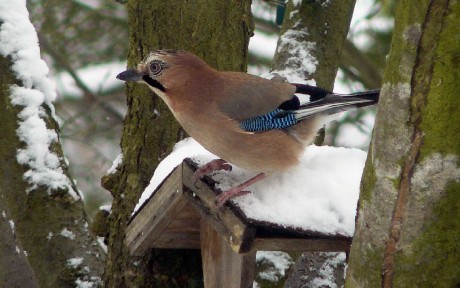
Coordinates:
372 95
327 103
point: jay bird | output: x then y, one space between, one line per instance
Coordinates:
252 122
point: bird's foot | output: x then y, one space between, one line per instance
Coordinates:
237 191
229 194
214 165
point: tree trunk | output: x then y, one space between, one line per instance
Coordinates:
407 232
47 225
15 268
318 30
218 32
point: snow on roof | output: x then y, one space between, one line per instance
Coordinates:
19 42
319 195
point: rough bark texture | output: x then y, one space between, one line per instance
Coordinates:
324 269
321 25
217 31
407 232
320 28
39 216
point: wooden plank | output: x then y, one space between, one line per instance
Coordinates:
239 235
183 225
186 221
304 245
180 240
222 267
150 222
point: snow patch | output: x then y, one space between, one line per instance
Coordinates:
68 234
100 240
107 208
11 225
318 195
278 263
19 42
115 164
74 262
325 3
85 284
296 2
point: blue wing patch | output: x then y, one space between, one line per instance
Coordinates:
277 119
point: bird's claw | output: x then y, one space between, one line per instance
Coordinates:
214 165
229 194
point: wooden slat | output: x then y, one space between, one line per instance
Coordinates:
182 240
150 222
222 267
304 245
238 235
187 220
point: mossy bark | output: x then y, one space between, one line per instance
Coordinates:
39 215
217 31
407 232
309 23
15 268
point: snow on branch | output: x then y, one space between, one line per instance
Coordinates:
19 43
300 61
294 59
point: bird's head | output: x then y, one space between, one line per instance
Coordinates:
164 70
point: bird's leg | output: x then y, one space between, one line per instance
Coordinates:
237 190
214 165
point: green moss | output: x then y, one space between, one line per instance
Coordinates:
99 225
441 115
365 265
368 180
433 260
67 276
396 182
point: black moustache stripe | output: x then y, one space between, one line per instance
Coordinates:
154 83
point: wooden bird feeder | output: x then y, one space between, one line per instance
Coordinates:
182 214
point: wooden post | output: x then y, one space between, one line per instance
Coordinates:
222 267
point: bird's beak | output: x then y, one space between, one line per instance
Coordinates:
130 75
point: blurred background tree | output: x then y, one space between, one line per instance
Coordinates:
85 44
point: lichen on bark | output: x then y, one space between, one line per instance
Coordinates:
424 173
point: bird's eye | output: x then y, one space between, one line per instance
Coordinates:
156 67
